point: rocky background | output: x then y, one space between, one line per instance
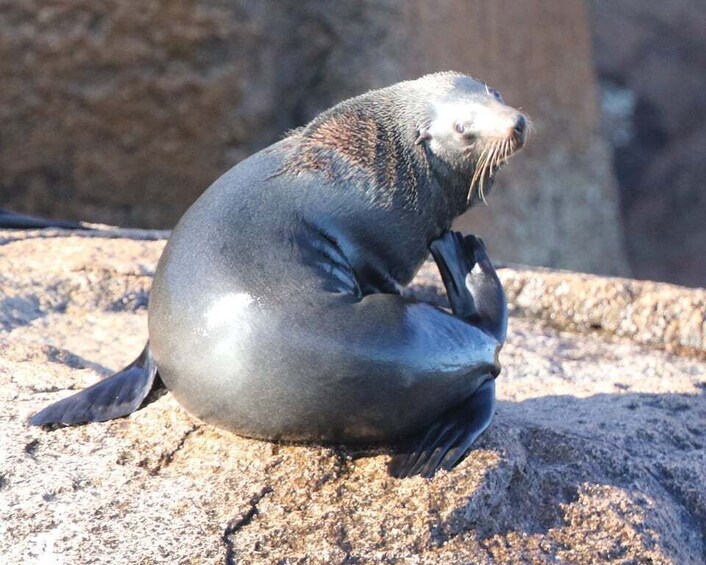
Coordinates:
124 114
596 453
651 62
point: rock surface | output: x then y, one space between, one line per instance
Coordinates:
596 454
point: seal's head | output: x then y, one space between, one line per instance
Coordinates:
473 132
463 130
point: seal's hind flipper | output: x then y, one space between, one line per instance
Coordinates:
447 442
117 396
13 220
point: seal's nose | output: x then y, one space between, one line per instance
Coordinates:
520 125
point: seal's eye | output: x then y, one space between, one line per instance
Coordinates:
498 96
465 131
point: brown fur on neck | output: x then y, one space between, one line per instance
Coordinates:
350 139
351 146
353 137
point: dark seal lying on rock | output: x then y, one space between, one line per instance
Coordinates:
276 310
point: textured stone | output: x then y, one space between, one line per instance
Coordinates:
596 453
651 313
124 115
653 52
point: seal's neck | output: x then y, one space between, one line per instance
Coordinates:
372 147
458 188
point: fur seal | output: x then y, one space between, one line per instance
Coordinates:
276 310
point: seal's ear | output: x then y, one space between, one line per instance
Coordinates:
423 135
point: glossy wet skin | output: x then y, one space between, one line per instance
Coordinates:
275 310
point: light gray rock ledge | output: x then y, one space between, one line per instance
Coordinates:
596 454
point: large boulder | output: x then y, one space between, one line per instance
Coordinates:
125 114
596 453
651 59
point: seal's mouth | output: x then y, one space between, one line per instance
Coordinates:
494 153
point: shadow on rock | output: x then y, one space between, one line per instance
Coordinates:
618 473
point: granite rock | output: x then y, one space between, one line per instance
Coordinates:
596 454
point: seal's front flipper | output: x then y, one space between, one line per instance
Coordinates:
114 397
474 290
454 263
13 220
448 440
484 285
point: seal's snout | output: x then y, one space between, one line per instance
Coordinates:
517 130
519 125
